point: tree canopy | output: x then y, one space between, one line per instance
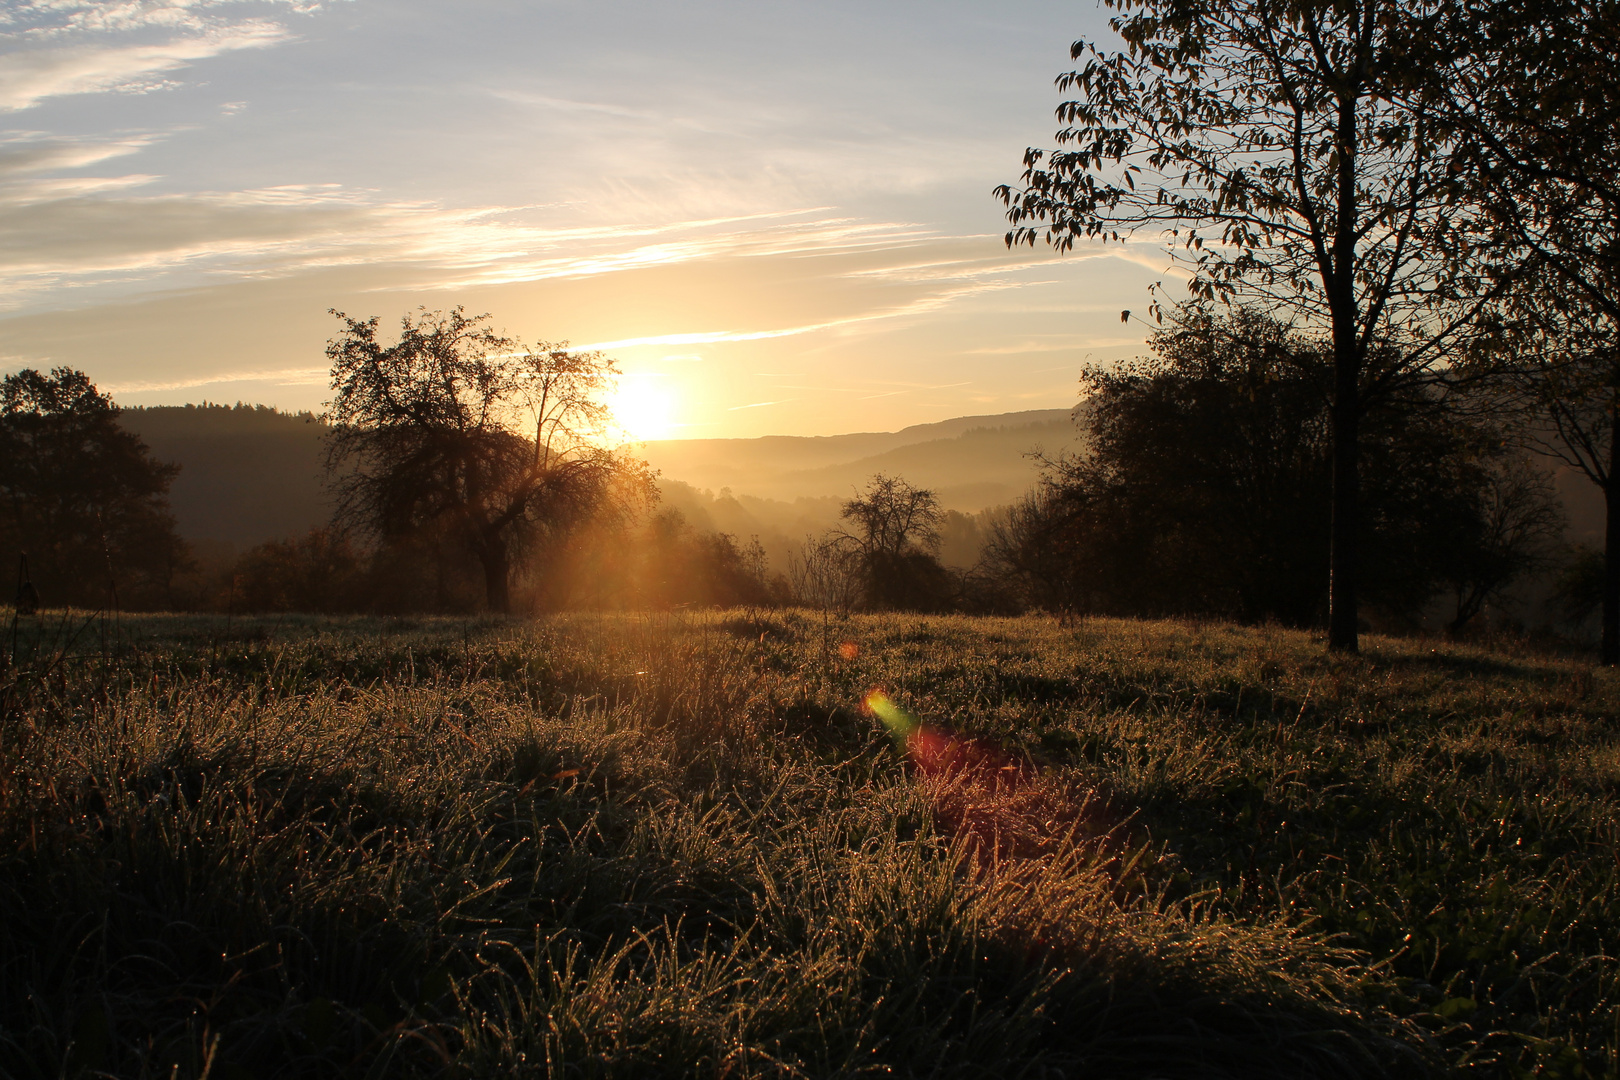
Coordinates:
82 496
467 436
1204 491
896 542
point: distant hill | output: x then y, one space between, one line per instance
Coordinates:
971 462
248 473
251 474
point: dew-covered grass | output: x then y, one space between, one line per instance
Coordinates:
672 845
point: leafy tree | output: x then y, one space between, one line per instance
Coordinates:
1532 101
82 496
1278 146
1209 461
1206 482
1539 122
457 430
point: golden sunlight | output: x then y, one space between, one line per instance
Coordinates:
644 407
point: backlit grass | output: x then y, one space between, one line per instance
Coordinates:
683 845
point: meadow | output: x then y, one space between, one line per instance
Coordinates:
750 844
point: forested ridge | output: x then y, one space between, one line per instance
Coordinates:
251 506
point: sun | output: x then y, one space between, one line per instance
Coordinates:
644 408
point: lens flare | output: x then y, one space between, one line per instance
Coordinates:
1025 836
896 719
931 750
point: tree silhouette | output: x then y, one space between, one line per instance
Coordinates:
458 430
1555 361
82 496
1540 124
1277 145
1204 489
897 539
825 573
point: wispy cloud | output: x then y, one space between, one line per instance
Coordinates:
27 78
55 48
24 152
544 101
303 376
67 187
89 231
86 232
1023 347
709 337
921 305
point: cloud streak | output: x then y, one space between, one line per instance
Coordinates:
27 78
919 306
99 233
24 152
59 48
293 376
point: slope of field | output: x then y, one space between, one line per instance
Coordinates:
766 844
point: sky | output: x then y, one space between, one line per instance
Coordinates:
775 215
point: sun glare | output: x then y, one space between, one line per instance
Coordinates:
644 408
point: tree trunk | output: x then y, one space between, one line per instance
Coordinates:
1611 549
1344 562
1344 631
497 595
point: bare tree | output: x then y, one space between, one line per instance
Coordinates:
1555 360
825 573
893 517
898 540
1520 529
1539 122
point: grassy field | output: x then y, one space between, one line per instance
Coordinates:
732 845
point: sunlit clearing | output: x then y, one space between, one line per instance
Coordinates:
644 408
